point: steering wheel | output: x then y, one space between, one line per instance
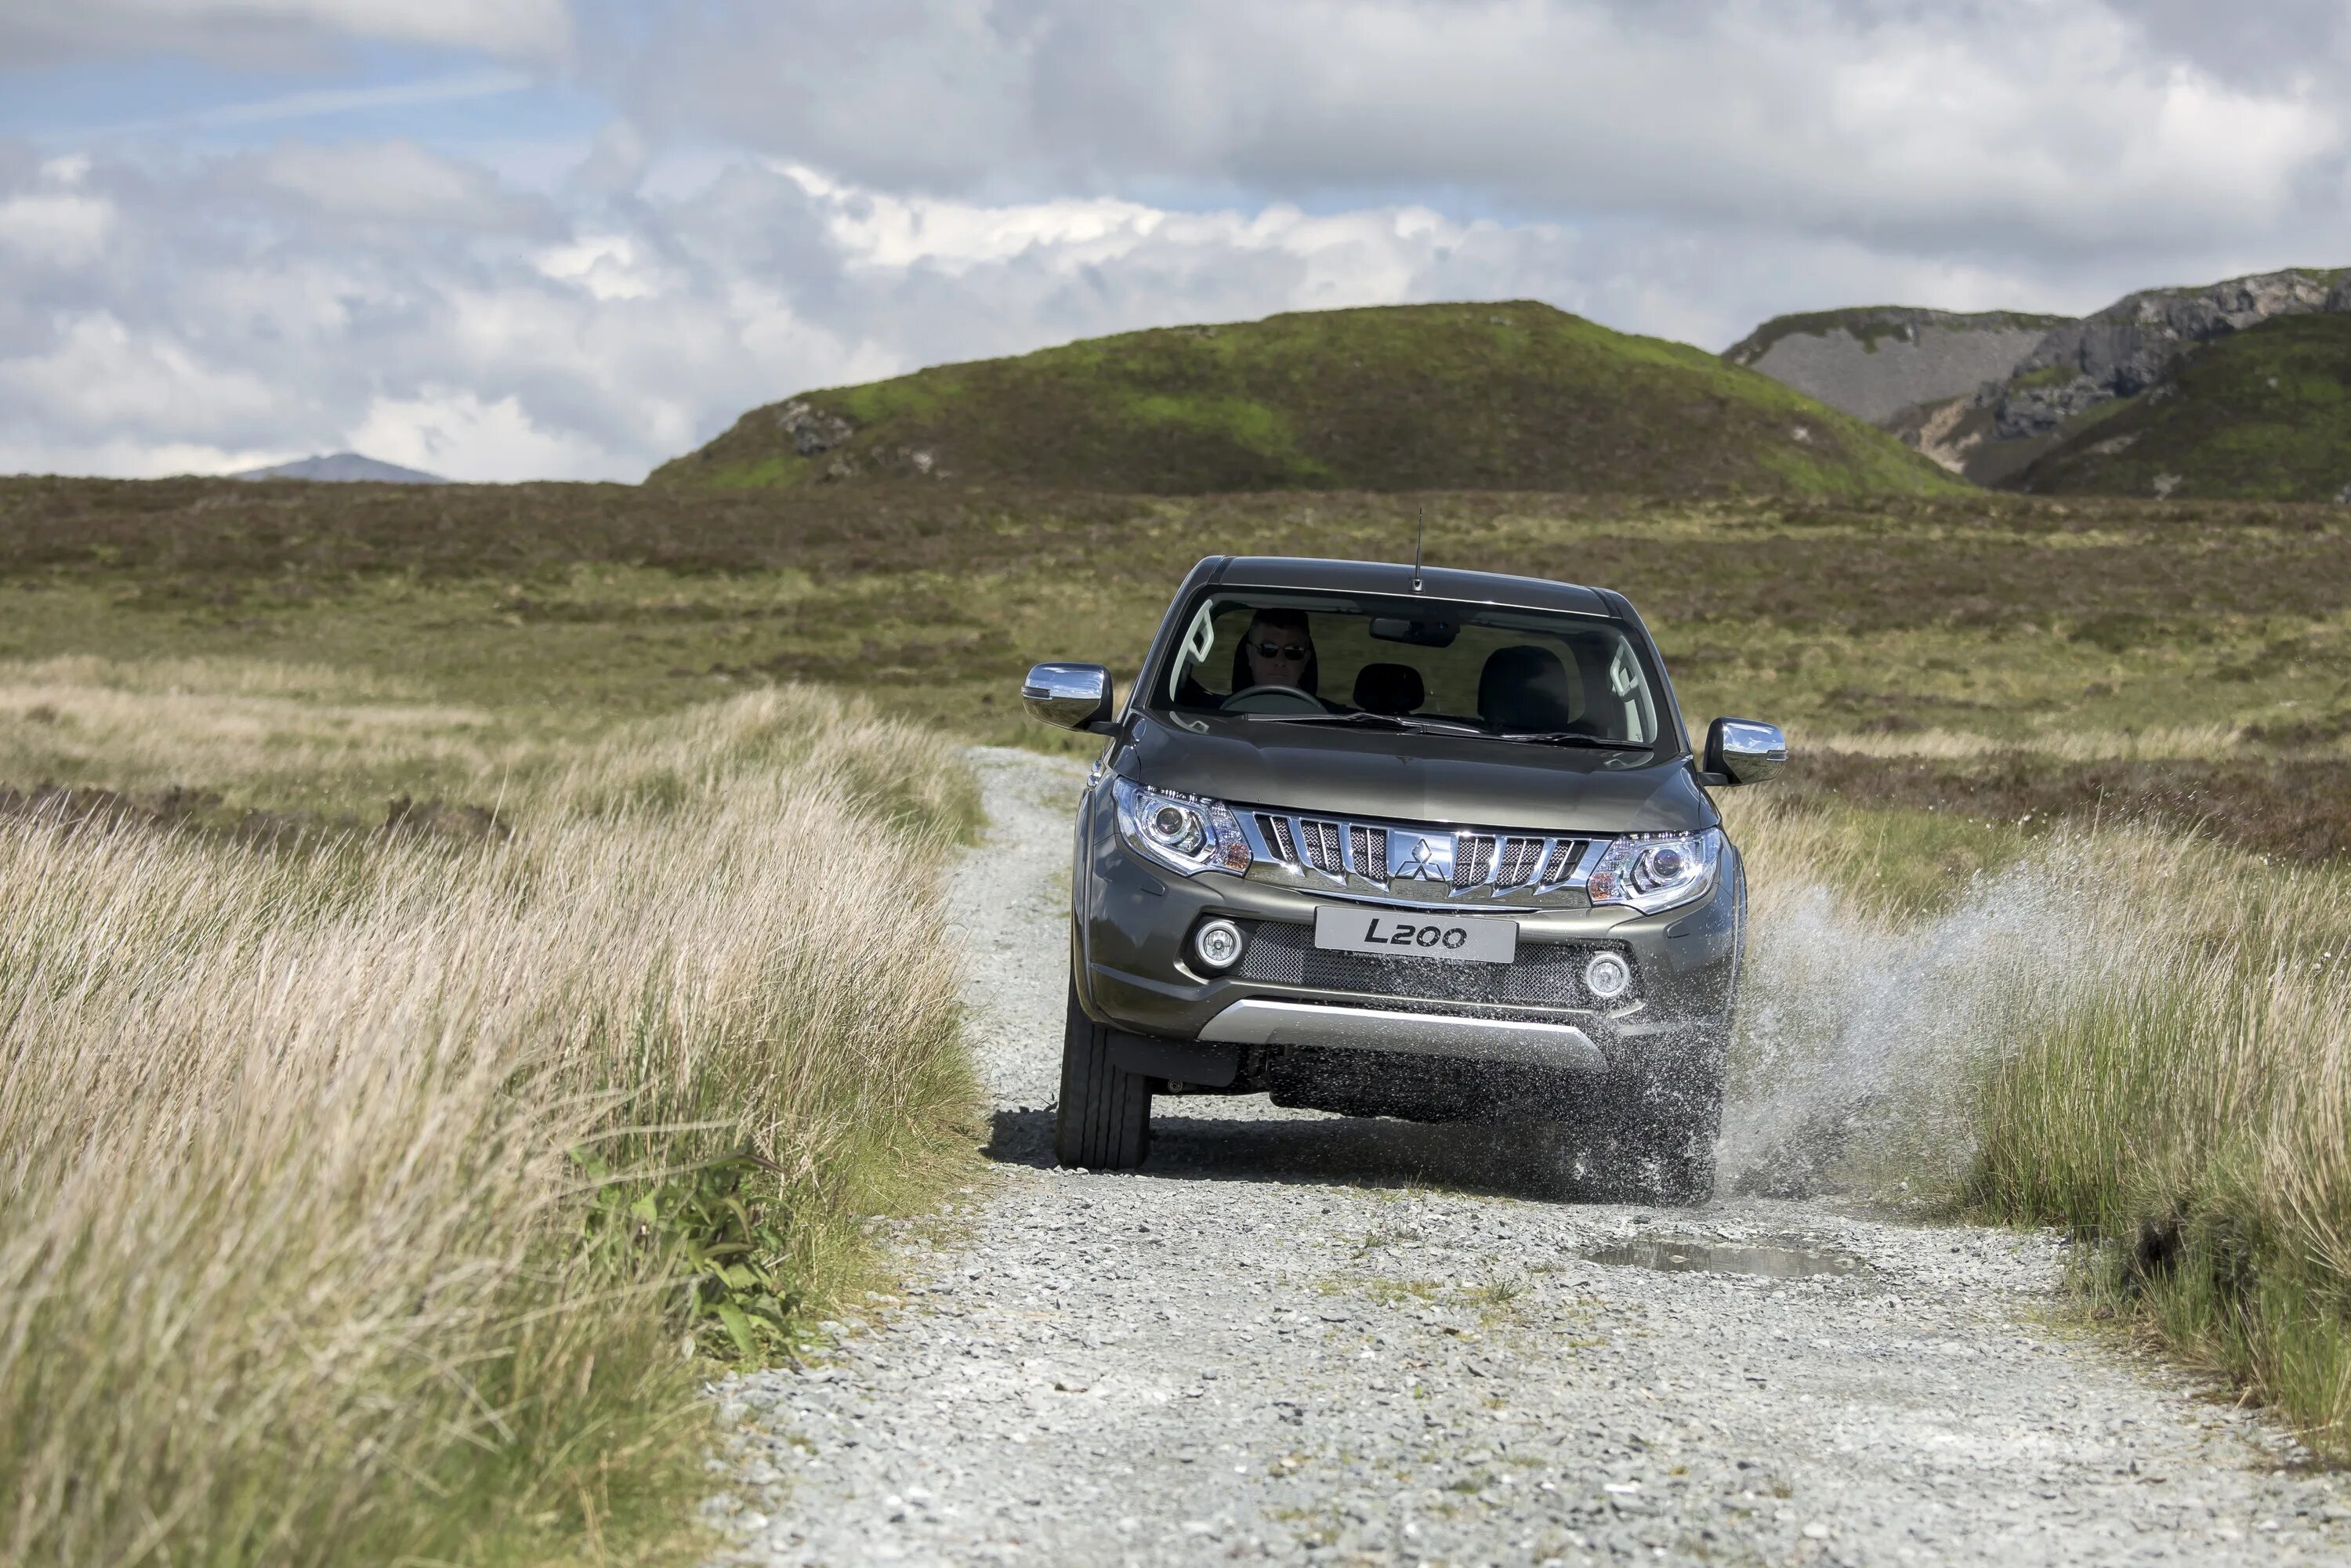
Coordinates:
1274 699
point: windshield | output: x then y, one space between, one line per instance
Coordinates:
1414 664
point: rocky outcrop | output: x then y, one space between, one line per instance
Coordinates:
815 431
2130 345
812 430
1878 361
1993 432
2022 413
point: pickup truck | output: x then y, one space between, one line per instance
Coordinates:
1385 841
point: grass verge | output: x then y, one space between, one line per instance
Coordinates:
385 1197
2140 1037
2186 1106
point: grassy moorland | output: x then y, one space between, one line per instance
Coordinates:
2070 775
1991 659
386 1196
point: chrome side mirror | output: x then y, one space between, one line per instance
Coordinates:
1742 751
1072 696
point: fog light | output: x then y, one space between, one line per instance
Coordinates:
1217 944
1607 976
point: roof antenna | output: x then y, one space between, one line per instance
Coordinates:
1420 529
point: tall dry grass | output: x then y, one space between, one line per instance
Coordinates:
292 1266
2141 1038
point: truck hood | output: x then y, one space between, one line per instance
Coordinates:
1464 780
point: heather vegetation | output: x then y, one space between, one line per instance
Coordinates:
1996 658
1515 396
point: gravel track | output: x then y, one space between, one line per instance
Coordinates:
1301 1337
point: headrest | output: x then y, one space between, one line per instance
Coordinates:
1525 687
1391 689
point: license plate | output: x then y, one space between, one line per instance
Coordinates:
1402 934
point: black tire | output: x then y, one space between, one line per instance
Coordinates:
1103 1120
1659 1144
1677 1130
1686 1181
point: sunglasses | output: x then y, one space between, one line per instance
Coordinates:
1281 650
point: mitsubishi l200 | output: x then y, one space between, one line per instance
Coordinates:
1391 842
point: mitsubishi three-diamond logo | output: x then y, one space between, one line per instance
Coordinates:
1417 857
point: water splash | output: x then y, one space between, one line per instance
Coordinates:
1861 1040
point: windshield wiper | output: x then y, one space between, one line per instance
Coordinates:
1569 737
1386 721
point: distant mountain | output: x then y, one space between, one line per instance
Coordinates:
2075 378
1875 362
2201 391
344 468
1514 396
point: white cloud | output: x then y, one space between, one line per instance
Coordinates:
266 31
99 375
608 266
55 225
877 229
393 181
452 432
1998 125
317 102
130 458
495 27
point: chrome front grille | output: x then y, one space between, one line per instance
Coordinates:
1322 847
1521 857
1421 863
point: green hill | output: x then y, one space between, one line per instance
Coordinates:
1515 396
2264 413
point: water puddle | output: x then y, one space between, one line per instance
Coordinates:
1677 1256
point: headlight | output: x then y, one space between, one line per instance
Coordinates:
1657 872
1183 832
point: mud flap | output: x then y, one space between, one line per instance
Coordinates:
1208 1064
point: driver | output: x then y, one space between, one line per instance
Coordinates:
1277 650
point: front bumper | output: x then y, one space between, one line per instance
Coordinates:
1252 1020
1132 924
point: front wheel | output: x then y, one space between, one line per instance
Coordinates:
1674 1127
1658 1130
1685 1181
1103 1120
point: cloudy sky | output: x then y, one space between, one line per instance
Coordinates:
506 239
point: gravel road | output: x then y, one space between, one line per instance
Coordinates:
1300 1337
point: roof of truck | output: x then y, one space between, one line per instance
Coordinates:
1393 578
